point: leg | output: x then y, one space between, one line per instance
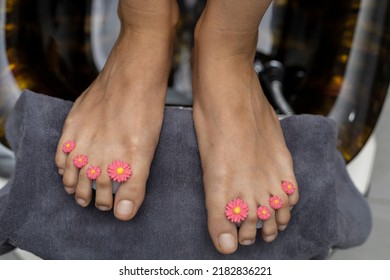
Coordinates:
119 116
241 143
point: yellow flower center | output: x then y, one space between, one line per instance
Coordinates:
276 201
289 187
120 170
237 210
80 159
93 171
263 212
67 145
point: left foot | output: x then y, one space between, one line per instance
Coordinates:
241 143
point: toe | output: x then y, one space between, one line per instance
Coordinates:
60 158
269 230
131 194
70 177
62 155
84 189
282 215
223 233
248 229
103 198
128 199
294 197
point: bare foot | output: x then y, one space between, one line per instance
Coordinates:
119 116
242 147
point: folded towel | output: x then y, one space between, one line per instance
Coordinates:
38 216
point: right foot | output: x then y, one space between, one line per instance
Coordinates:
119 117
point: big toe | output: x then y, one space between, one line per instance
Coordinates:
223 232
131 193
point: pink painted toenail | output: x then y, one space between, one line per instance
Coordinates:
119 171
236 210
263 213
68 146
80 161
276 202
93 172
288 187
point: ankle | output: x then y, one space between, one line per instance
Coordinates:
225 44
161 18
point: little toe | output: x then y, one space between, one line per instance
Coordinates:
70 177
60 157
64 148
290 187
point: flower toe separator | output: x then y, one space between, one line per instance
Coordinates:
80 161
93 172
68 146
236 210
119 171
263 213
288 187
276 202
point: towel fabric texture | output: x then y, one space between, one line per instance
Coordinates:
37 215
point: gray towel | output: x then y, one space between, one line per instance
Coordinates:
38 216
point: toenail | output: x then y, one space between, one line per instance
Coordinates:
270 238
247 242
69 190
124 208
103 208
227 241
282 227
81 201
61 171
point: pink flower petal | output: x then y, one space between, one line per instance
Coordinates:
119 171
68 146
236 210
276 202
80 161
288 187
263 213
93 172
